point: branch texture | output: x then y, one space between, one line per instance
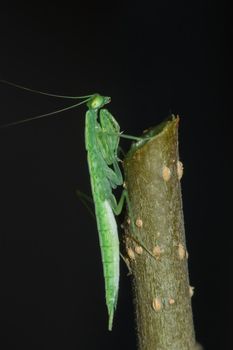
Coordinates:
157 254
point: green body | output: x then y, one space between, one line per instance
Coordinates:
102 138
102 135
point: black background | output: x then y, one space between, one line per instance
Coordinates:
151 58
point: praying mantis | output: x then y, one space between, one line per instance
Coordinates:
102 136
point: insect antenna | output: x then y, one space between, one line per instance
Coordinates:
42 92
85 99
45 115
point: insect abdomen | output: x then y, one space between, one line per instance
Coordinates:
107 228
109 244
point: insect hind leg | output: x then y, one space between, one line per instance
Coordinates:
86 201
117 210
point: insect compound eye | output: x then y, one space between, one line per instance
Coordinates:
97 101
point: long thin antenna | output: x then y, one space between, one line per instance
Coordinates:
45 115
42 92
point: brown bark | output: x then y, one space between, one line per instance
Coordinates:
162 293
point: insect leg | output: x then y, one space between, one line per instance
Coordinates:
126 261
85 199
117 208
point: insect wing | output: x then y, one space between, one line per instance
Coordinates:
110 136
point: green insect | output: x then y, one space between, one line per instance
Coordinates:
102 135
102 139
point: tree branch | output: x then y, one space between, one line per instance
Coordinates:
160 283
